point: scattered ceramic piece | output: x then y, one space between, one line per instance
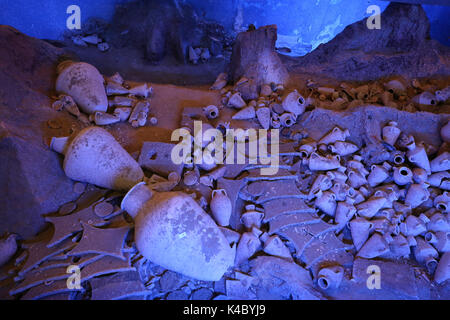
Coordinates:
89 94
108 241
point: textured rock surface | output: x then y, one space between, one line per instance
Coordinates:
32 181
400 47
254 57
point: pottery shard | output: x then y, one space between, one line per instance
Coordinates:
236 290
202 294
292 219
232 187
156 156
32 182
320 246
423 126
263 191
350 55
105 265
108 241
302 236
281 174
254 57
38 185
119 290
52 289
38 277
68 225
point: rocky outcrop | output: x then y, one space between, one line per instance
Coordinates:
32 181
401 47
164 29
254 57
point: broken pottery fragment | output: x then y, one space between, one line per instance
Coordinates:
103 46
109 241
156 156
141 90
221 81
103 118
426 254
248 245
395 87
425 99
115 89
94 156
84 84
105 265
51 289
441 162
321 246
173 231
263 116
277 278
245 113
236 101
419 157
343 148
